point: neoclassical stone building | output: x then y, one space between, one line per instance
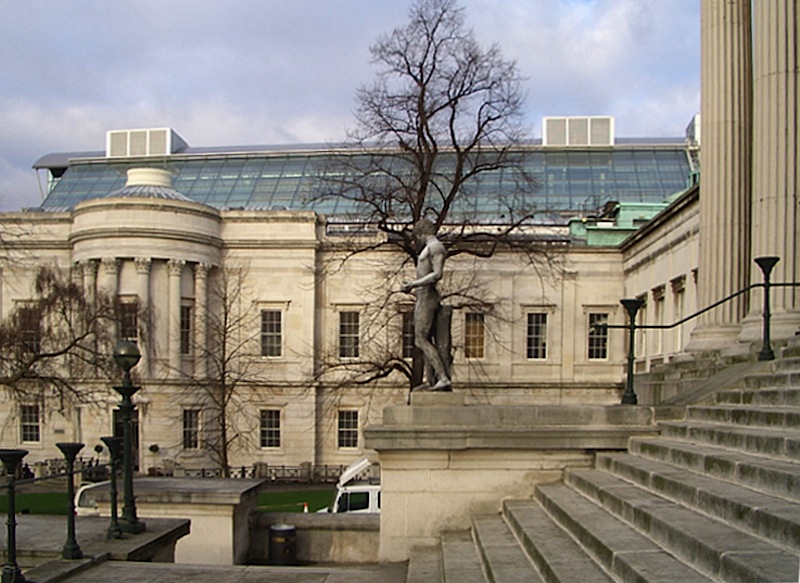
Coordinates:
162 226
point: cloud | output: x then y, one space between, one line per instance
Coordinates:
270 71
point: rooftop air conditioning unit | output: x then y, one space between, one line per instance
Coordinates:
143 142
578 131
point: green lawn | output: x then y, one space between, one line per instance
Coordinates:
290 501
39 503
293 501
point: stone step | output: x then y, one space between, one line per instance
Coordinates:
771 517
425 565
554 552
504 560
712 547
772 380
619 548
774 397
777 417
754 440
769 475
460 560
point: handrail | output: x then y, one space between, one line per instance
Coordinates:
632 306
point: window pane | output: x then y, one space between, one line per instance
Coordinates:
408 334
348 429
270 428
128 321
598 337
29 423
191 429
473 335
348 334
29 320
186 329
271 333
537 336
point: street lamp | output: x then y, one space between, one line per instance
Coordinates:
11 571
126 356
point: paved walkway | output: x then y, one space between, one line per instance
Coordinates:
129 572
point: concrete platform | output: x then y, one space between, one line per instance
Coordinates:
41 538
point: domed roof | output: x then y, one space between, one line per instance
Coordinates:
148 183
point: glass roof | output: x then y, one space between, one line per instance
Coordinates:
569 180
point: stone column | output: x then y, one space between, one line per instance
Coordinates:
89 269
725 160
175 269
776 161
201 271
110 274
143 291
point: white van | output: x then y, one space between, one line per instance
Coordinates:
356 495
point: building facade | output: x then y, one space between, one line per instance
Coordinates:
181 236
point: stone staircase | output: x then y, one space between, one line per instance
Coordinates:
716 497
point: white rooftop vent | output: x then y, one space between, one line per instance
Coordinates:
578 131
144 142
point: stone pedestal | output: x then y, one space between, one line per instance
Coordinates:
441 464
218 508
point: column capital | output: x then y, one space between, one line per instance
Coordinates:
143 265
175 267
110 264
201 270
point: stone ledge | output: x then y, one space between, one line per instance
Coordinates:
385 438
577 416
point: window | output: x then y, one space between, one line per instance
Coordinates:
186 329
536 339
191 428
128 320
348 429
598 336
270 428
271 333
30 327
348 334
30 428
473 335
408 334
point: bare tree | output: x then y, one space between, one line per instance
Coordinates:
57 339
437 132
233 371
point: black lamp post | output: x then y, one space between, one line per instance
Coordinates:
114 445
632 306
766 264
11 571
127 355
71 548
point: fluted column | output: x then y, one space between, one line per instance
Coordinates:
201 305
776 158
143 291
725 160
175 269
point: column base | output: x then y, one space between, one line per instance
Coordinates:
713 339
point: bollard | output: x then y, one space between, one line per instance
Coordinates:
114 445
71 549
11 571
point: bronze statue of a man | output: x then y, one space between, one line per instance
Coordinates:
427 310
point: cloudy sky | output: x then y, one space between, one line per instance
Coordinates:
286 71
